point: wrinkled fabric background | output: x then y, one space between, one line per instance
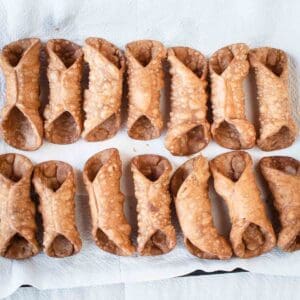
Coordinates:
204 25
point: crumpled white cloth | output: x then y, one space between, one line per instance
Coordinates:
204 25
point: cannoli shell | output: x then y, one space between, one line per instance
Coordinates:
277 128
17 211
110 229
189 188
102 100
145 80
188 130
21 124
251 233
228 68
54 183
63 114
282 174
156 234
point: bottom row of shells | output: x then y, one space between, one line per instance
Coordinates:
54 182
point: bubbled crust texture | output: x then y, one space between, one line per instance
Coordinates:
271 75
144 84
228 68
21 66
102 100
188 69
283 177
17 211
54 182
246 209
65 61
153 204
189 188
101 174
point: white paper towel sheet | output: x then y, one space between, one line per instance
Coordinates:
204 25
244 286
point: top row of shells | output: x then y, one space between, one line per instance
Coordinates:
188 129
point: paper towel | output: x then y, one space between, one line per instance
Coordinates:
244 286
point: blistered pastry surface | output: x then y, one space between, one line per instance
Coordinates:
188 130
277 128
63 113
282 175
21 122
102 99
54 183
17 211
110 229
151 176
228 68
145 80
252 233
189 188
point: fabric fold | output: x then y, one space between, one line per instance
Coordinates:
151 177
188 130
17 211
189 188
145 80
251 232
102 99
22 125
54 182
228 68
63 113
277 128
282 174
110 229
